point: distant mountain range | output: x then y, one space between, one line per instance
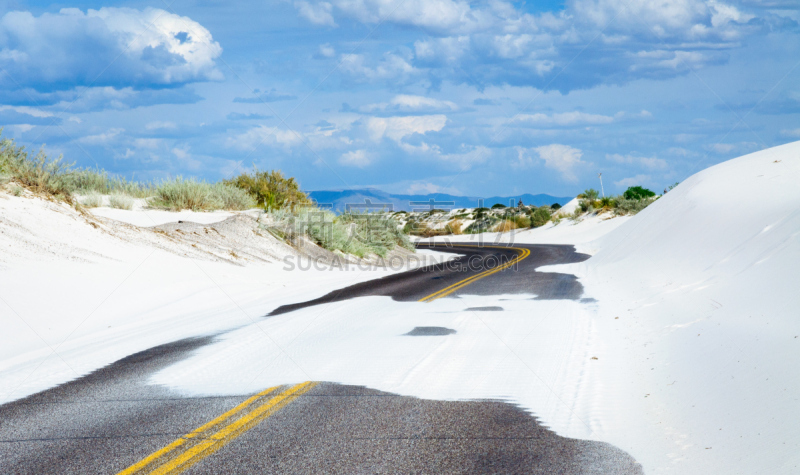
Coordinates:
375 200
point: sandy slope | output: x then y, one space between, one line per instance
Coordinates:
686 358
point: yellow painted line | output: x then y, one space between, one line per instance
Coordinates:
183 453
522 253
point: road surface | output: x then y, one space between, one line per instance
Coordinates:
112 421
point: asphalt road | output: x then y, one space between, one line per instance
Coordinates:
521 277
112 419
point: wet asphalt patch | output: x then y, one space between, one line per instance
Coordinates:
430 331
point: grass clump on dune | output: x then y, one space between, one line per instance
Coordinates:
38 173
180 193
360 235
120 201
84 181
92 199
271 190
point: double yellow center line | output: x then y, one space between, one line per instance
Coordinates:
522 253
212 436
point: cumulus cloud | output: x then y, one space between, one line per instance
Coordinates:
269 96
563 119
356 158
264 135
317 13
410 103
396 128
102 138
88 99
562 158
26 115
392 66
119 47
487 43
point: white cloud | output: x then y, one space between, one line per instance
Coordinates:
160 125
264 135
103 138
790 133
647 162
469 157
319 13
109 46
147 143
396 128
410 103
327 50
563 119
356 158
561 158
392 66
438 15
31 111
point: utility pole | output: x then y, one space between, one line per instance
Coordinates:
600 176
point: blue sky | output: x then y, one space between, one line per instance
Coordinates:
472 98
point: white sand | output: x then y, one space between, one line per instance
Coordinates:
687 359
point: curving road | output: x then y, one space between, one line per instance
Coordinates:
479 270
112 421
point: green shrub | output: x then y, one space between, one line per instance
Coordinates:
454 227
356 234
39 173
92 200
498 205
540 217
555 206
85 180
585 205
16 190
271 190
625 206
120 201
637 193
180 194
505 225
607 202
522 221
591 194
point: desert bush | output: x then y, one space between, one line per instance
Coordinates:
625 206
120 201
585 205
607 202
196 195
85 180
16 190
591 194
356 234
505 226
555 206
498 206
271 190
454 227
540 217
92 200
637 193
39 174
522 222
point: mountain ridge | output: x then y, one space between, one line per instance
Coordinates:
373 199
